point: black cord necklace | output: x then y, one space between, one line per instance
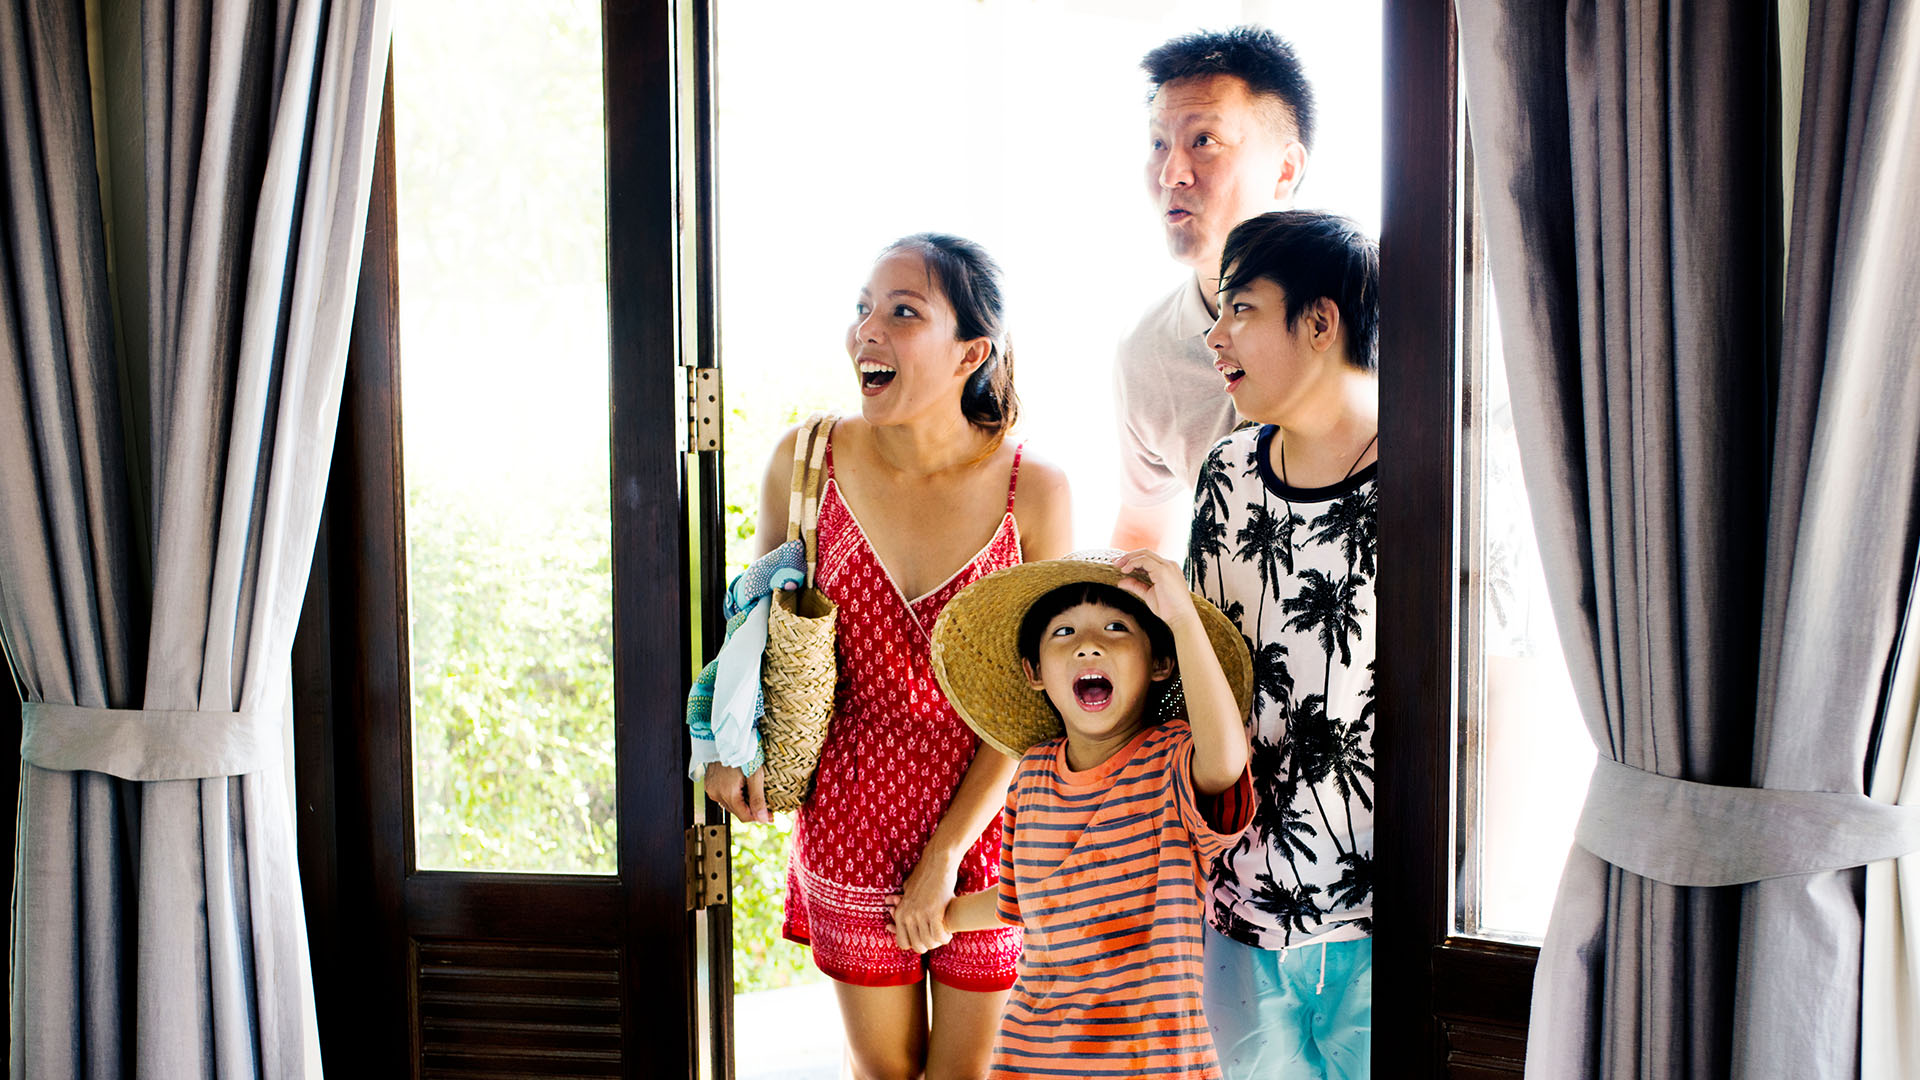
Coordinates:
1287 485
1350 468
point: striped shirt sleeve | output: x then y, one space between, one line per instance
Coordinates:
1215 821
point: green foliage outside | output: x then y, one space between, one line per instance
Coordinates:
762 958
513 695
512 657
500 136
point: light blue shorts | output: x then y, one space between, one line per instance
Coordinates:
1305 1014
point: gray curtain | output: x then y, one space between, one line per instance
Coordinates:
157 922
69 606
1621 151
1731 686
1844 521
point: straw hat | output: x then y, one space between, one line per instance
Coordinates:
976 651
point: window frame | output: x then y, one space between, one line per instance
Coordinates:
1459 1003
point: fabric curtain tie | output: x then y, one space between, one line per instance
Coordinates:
1692 834
151 744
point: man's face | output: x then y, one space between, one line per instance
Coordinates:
1216 160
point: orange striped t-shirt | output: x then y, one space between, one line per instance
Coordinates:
1106 871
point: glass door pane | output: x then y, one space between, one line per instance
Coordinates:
1525 755
499 150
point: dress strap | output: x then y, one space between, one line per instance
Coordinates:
1013 478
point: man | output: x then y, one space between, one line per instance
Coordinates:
1231 120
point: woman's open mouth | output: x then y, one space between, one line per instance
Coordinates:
1093 691
874 376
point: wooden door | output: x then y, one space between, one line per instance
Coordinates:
447 973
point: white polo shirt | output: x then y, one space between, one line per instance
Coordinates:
1171 404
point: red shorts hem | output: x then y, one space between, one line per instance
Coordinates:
874 979
901 978
975 986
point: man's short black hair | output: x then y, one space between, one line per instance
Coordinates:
1254 54
1310 255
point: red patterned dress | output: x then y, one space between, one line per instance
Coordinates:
894 756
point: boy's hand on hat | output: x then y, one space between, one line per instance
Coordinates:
743 796
1159 583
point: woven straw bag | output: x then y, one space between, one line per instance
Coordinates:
798 674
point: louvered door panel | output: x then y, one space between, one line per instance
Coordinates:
500 1009
1483 1051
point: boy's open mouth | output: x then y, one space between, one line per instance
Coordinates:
874 375
1093 691
1232 374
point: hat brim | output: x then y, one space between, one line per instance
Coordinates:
976 651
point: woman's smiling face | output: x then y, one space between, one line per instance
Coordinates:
902 342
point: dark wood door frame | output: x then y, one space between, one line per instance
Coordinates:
375 922
1444 1005
706 475
651 617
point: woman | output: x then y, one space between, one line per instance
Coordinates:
923 496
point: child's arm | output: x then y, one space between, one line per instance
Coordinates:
969 911
1219 730
974 911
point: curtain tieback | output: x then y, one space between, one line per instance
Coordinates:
151 744
1686 833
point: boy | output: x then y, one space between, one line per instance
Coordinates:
1283 542
1114 814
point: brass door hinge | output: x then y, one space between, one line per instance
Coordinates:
703 409
708 873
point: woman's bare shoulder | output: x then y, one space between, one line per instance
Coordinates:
851 433
1043 505
780 461
1041 480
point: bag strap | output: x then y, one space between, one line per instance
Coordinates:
803 502
802 442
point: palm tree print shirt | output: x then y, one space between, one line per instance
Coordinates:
1294 568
